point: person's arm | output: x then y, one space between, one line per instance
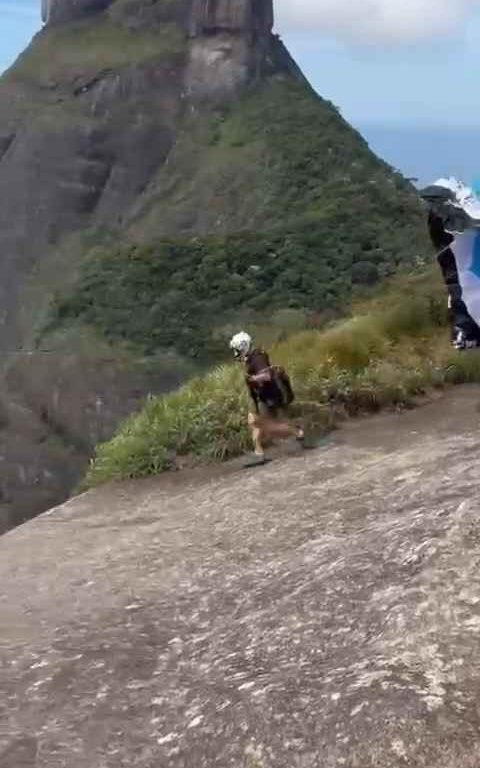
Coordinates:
439 237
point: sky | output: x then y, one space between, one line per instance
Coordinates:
19 20
404 72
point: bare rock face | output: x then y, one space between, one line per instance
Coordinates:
205 16
66 10
212 16
232 42
324 612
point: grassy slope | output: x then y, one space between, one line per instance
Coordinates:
390 350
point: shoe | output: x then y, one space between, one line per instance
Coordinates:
461 342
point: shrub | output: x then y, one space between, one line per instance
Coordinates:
392 350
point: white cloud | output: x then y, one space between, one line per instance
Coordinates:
376 21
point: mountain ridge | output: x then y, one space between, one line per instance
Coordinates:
128 124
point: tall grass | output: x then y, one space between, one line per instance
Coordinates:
391 350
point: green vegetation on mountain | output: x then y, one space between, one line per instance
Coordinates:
319 216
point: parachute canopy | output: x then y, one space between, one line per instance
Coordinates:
455 203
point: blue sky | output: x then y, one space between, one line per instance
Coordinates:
396 68
424 83
19 20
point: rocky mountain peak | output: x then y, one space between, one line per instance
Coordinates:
202 16
232 16
66 10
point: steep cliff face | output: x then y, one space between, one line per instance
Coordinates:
205 16
91 110
213 16
126 121
67 10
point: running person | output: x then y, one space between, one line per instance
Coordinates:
270 394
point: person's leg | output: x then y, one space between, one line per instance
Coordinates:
281 428
255 423
265 427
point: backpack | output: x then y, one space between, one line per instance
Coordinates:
268 383
282 380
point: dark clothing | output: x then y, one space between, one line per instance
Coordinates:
460 320
439 237
271 393
256 362
268 385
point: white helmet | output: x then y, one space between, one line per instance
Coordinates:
241 344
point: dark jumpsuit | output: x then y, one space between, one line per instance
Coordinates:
459 316
267 396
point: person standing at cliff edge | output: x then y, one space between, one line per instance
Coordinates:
270 394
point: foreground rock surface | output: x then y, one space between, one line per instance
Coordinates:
322 611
